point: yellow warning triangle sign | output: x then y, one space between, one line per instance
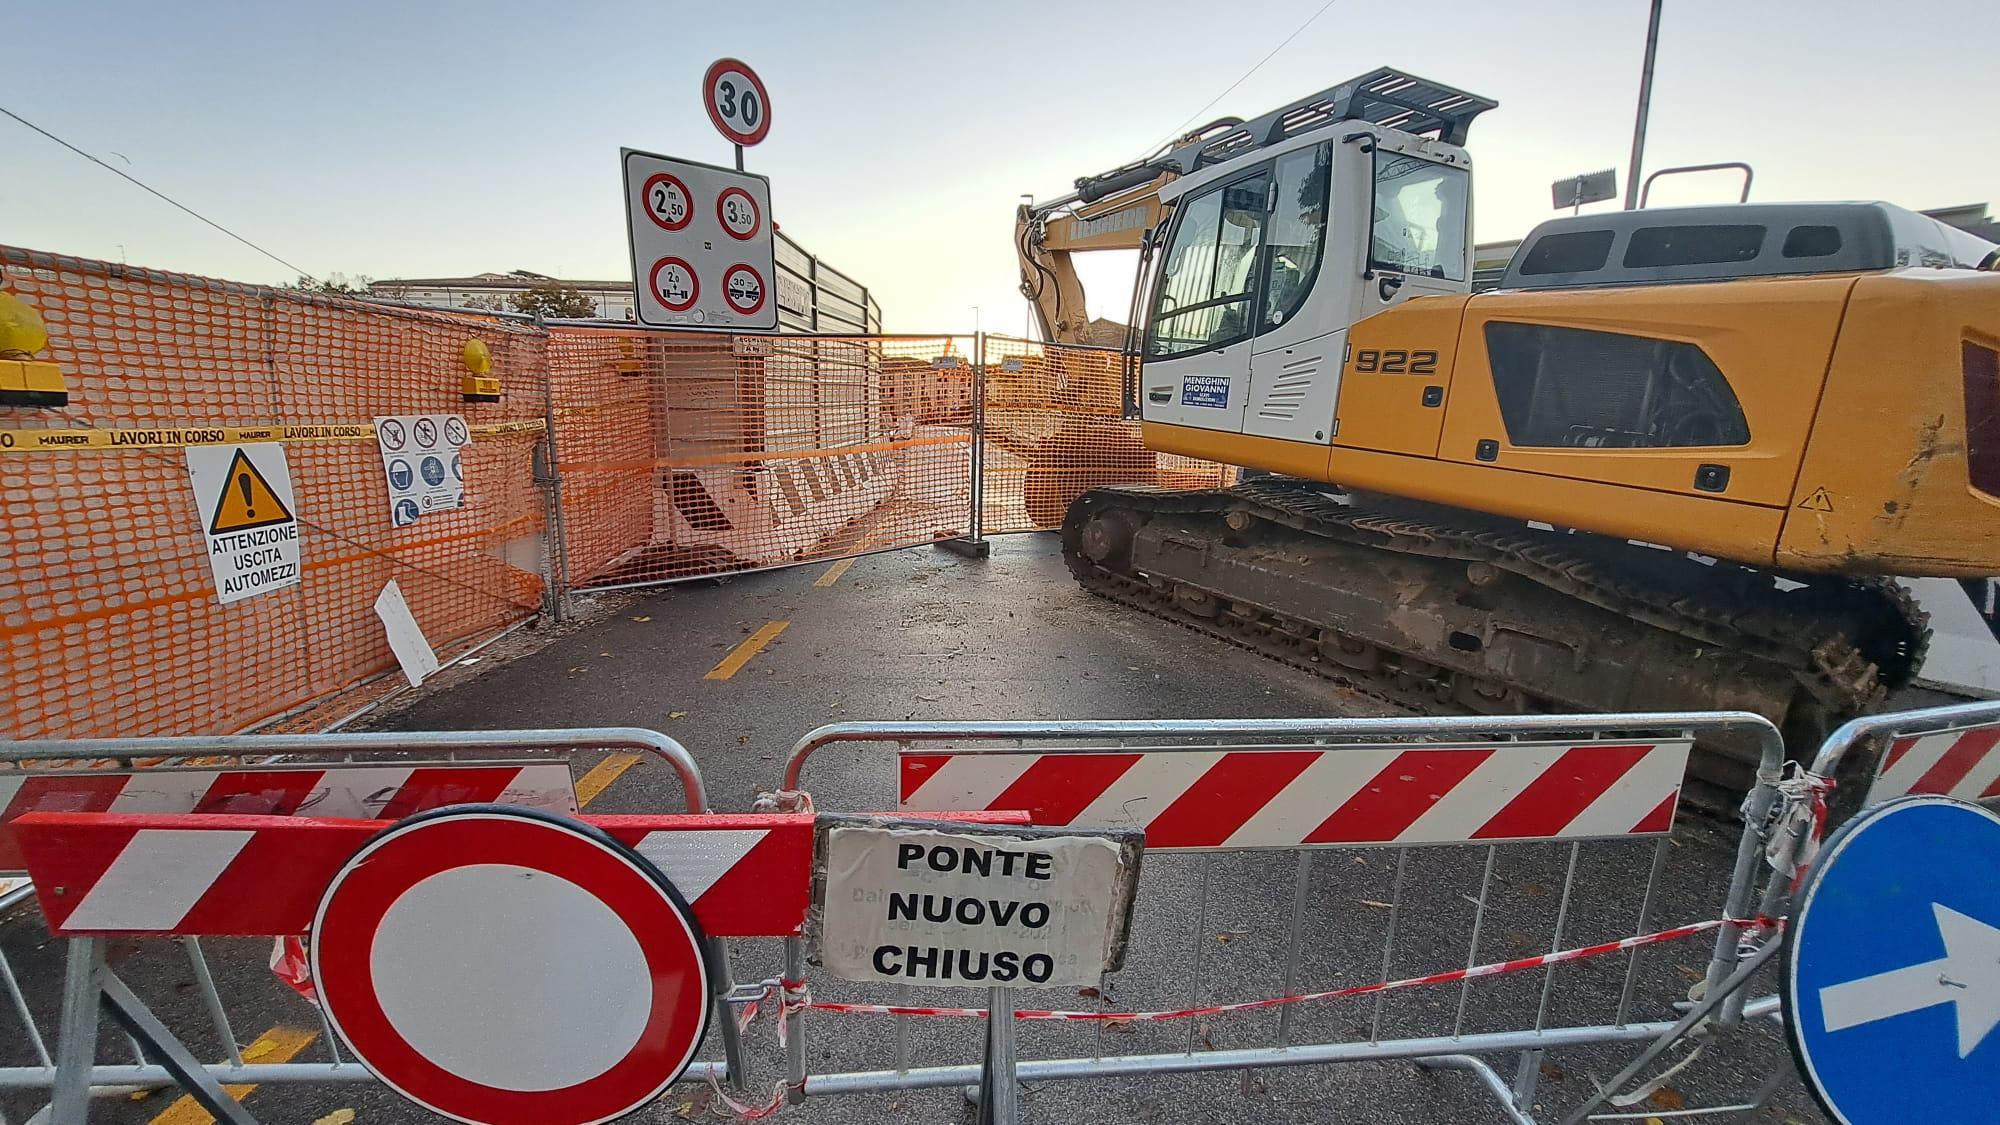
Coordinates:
247 500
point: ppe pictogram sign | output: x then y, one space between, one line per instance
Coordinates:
420 455
243 494
703 246
431 950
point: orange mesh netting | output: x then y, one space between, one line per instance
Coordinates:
673 456
109 620
688 455
1055 428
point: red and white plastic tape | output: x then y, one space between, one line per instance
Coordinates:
797 998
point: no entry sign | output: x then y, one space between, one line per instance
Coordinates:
436 951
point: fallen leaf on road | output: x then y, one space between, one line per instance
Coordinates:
1090 994
1666 1097
683 715
642 619
1227 936
1372 902
604 654
337 1117
1117 1025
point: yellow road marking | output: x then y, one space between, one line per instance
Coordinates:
833 573
741 654
601 775
280 1044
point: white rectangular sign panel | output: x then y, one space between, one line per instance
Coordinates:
703 255
420 460
406 638
243 494
957 908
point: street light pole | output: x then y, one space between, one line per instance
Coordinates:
1645 103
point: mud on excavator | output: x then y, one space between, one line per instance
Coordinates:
1674 462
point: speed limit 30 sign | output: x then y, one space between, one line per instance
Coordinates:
703 253
737 102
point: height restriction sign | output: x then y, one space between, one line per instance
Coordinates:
703 256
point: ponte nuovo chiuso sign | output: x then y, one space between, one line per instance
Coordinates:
929 903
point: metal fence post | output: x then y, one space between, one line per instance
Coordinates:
76 1037
974 544
555 535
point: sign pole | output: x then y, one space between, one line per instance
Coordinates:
739 157
998 1094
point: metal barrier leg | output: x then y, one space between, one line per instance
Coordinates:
1710 1001
1485 1074
76 1037
999 1093
139 1020
795 1041
724 984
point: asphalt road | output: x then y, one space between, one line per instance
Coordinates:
921 634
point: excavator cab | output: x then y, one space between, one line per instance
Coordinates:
1286 230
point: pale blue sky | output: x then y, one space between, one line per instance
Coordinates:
414 139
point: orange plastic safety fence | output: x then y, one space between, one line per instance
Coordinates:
110 622
690 455
1055 428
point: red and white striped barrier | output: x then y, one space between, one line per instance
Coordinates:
109 873
1347 795
1956 763
373 791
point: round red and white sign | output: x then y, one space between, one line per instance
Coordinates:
737 102
743 288
501 965
673 282
667 201
737 211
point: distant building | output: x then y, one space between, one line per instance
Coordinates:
813 297
496 291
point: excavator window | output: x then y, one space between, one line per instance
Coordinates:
1298 229
1575 388
1209 280
1420 213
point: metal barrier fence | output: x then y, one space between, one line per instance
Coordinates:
1295 920
62 1053
683 456
1546 848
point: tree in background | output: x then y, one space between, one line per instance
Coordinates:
338 284
555 301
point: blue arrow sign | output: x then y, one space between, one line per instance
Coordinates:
1892 990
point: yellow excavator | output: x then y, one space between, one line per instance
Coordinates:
1673 462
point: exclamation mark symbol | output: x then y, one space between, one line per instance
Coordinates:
243 486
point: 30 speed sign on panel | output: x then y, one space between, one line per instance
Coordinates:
736 210
673 281
431 952
737 102
668 202
743 288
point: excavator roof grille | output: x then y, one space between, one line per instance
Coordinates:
1383 97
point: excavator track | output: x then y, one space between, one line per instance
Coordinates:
1435 609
